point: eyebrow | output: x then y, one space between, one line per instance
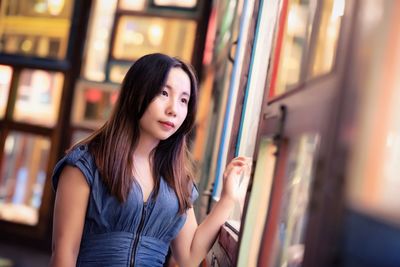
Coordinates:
184 93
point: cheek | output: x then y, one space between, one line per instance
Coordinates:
184 113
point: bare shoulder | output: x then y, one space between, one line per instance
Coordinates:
72 176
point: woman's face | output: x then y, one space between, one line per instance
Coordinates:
167 111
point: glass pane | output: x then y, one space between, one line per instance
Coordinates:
134 5
328 34
118 71
258 204
292 222
176 3
98 41
23 176
93 103
35 27
38 97
5 80
137 36
294 43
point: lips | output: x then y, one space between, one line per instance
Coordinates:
167 124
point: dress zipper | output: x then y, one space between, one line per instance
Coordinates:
138 233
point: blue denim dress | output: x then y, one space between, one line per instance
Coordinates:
132 233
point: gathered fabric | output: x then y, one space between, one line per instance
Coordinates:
119 234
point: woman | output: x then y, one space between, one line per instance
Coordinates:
124 195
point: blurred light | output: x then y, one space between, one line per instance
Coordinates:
55 6
40 7
99 45
5 74
373 12
114 97
93 95
27 45
338 9
132 4
178 3
9 145
137 38
156 34
41 80
297 20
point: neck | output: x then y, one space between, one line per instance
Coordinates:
144 147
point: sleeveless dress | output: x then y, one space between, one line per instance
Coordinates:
132 233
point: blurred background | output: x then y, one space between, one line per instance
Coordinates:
310 89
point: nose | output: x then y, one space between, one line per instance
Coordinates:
172 108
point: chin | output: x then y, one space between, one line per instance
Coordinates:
166 136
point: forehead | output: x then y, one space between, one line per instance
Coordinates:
178 80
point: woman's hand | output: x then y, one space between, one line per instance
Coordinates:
236 179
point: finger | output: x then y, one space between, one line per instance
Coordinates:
233 170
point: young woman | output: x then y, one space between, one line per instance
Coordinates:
124 195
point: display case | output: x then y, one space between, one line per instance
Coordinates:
5 82
38 97
137 36
289 245
35 28
132 5
175 3
23 175
93 104
306 43
258 202
40 44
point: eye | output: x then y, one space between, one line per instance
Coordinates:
164 93
184 100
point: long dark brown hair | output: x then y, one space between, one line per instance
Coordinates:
114 143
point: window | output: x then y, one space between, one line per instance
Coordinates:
176 3
328 35
22 182
258 203
293 40
38 97
98 40
5 80
134 5
36 28
93 104
292 221
137 36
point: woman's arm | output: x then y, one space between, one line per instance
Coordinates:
69 217
193 242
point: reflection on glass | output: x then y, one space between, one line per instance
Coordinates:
118 71
176 3
5 80
99 39
258 204
23 176
328 34
93 104
296 35
35 27
38 97
293 212
134 5
137 36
